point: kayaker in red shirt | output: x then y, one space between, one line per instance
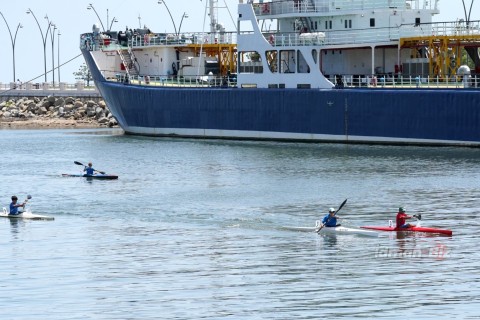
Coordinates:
402 218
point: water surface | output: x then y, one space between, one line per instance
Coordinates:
193 229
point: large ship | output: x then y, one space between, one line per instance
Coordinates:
367 71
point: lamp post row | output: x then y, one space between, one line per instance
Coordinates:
51 27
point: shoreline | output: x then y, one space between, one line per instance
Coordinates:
50 124
56 113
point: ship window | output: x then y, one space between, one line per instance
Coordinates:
330 24
302 65
250 62
417 22
350 24
272 60
304 86
287 61
316 25
315 55
249 85
372 22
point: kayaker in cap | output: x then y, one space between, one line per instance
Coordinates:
330 220
14 206
89 170
402 218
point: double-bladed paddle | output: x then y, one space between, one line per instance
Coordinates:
81 164
323 225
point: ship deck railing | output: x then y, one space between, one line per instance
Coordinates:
112 40
172 80
389 81
265 9
406 82
355 37
156 39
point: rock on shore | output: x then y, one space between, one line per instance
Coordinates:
55 112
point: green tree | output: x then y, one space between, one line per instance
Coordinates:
83 74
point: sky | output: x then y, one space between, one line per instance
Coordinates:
72 18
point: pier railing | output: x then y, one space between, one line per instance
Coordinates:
77 89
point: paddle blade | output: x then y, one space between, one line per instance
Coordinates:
341 206
29 197
79 163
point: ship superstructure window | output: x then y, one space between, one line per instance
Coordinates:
302 65
315 55
417 22
287 61
313 25
372 22
348 24
328 24
250 62
272 60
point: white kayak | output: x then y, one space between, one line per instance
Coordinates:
334 230
25 215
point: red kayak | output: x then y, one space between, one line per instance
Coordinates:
411 229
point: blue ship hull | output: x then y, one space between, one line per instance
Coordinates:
388 116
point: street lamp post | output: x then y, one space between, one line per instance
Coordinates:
467 17
170 14
90 7
185 15
14 40
44 40
111 23
52 38
58 55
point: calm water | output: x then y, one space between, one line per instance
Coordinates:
193 230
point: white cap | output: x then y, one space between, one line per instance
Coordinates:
331 210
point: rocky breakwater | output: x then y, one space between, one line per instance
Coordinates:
55 112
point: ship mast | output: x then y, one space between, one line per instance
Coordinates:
213 16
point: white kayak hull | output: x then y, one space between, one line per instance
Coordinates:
25 215
334 230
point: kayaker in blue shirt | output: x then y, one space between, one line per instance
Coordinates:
14 206
330 220
89 170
